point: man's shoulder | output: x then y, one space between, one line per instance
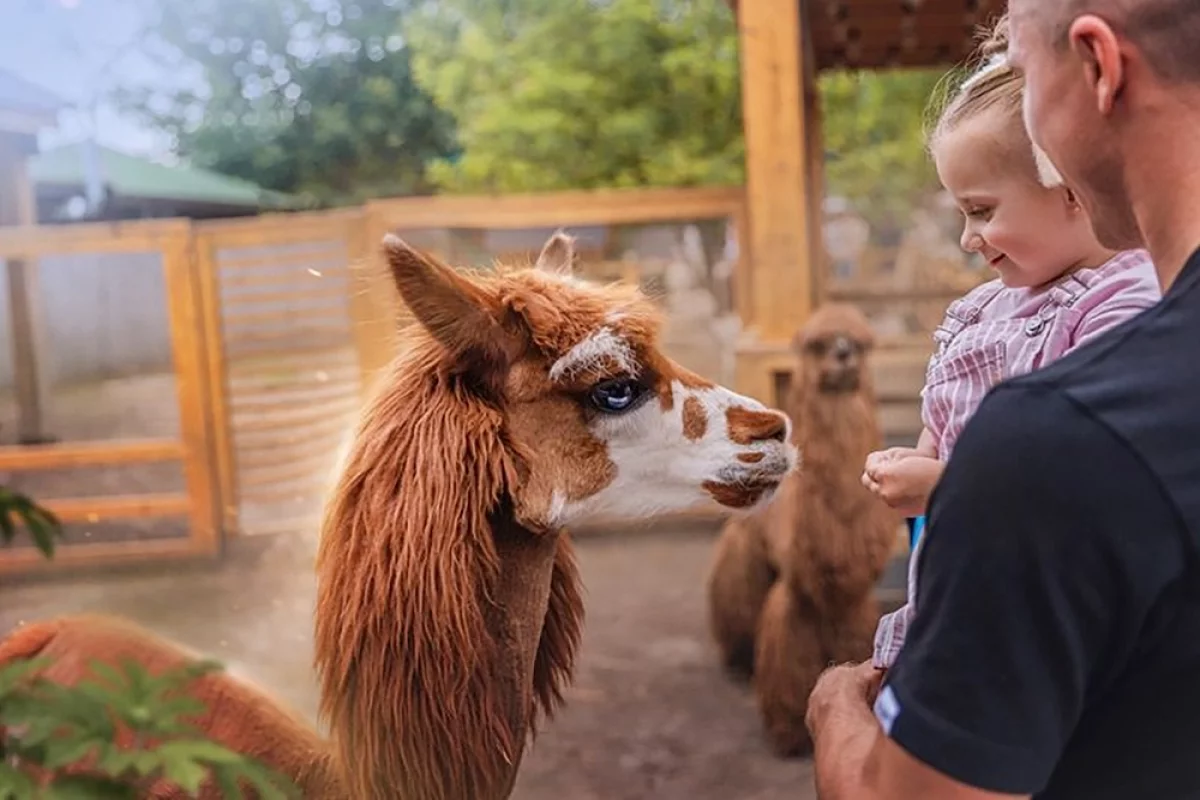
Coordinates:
1135 389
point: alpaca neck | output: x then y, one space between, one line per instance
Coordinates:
515 620
431 599
836 431
842 534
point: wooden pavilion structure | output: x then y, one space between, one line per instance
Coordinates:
784 44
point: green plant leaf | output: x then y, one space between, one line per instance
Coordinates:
78 787
181 770
18 673
15 785
63 752
200 750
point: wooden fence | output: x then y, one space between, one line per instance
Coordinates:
174 242
279 323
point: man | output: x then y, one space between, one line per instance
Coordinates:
1057 652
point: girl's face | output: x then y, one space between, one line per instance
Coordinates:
1029 234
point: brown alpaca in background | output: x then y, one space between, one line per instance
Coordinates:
448 610
792 586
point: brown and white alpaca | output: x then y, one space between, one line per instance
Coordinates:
792 585
449 612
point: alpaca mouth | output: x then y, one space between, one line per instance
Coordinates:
749 485
840 381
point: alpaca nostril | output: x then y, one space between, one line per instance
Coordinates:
777 431
748 426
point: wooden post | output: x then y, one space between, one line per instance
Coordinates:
208 291
24 298
186 310
783 195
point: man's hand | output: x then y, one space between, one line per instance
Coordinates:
855 760
840 686
904 483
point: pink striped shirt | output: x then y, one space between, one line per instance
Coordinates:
994 333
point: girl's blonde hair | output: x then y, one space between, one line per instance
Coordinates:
991 84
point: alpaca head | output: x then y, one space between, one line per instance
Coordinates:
832 348
598 420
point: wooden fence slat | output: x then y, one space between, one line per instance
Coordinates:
302 416
550 209
323 292
328 276
321 251
33 241
87 454
26 560
323 313
134 506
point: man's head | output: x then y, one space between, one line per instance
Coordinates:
1095 73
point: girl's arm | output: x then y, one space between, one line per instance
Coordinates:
926 445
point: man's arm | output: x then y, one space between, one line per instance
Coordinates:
1048 543
855 761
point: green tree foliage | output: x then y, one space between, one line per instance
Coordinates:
874 132
312 97
557 94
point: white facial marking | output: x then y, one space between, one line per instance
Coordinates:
592 352
660 470
556 516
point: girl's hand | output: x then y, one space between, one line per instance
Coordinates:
904 483
880 457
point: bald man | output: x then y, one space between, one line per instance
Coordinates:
1057 652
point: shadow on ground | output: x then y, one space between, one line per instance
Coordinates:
650 714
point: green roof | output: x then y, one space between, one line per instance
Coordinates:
130 176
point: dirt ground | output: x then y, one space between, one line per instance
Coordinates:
650 714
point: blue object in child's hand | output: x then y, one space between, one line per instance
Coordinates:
916 526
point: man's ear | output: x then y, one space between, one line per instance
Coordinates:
1096 44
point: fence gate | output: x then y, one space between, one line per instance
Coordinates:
130 474
278 293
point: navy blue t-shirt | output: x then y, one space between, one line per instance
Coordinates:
1056 644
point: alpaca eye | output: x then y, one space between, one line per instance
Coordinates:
617 395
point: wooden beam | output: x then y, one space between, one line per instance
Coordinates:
134 506
780 186
551 209
17 208
28 560
87 454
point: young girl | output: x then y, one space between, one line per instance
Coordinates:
1057 289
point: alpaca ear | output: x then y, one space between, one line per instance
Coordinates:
558 255
457 312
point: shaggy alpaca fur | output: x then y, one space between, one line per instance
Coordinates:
792 587
448 609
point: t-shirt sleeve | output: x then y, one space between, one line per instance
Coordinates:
1048 542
